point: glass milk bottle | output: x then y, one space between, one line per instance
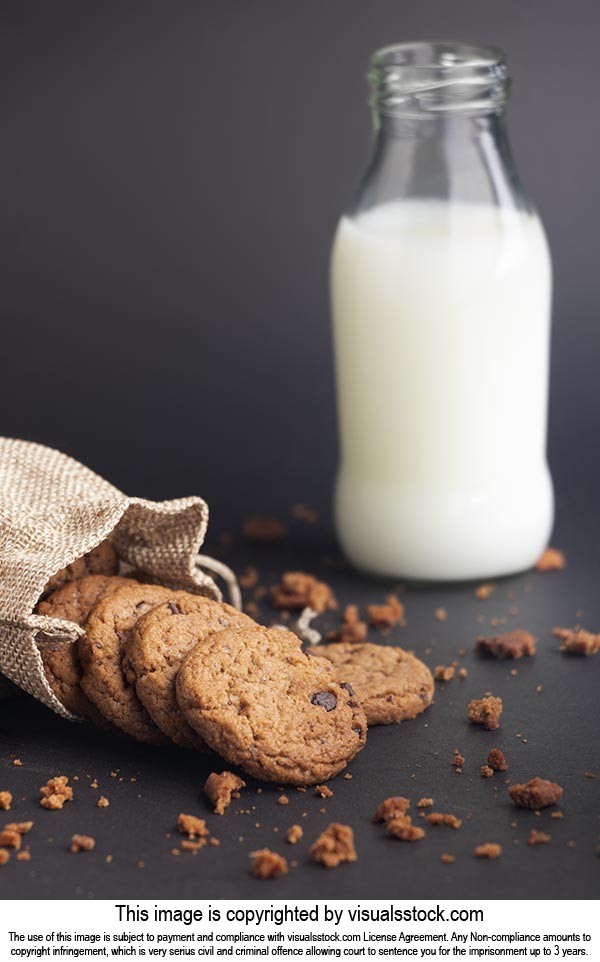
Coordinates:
441 290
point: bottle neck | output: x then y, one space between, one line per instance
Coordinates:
461 158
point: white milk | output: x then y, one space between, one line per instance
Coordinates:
441 326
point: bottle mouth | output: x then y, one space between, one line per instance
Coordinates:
438 76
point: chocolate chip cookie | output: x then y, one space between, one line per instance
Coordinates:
101 651
390 684
101 560
73 602
156 647
260 701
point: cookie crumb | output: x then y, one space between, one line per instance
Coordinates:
21 827
55 793
4 856
512 644
538 838
387 615
215 842
536 793
323 791
447 859
5 801
441 614
24 856
268 864
484 591
334 846
297 590
458 760
108 859
485 711
17 762
348 777
82 843
302 512
263 529
589 774
557 814
353 630
191 826
486 771
551 559
192 845
463 673
443 673
391 808
294 834
441 818
425 803
401 827
221 789
488 850
283 800
577 641
9 838
496 760
102 802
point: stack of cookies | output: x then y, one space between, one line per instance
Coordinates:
161 664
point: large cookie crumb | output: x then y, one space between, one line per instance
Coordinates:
5 801
268 864
55 793
496 760
388 615
536 793
577 641
391 808
334 846
9 838
82 843
221 789
512 644
485 711
191 826
298 589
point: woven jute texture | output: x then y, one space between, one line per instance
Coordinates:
52 511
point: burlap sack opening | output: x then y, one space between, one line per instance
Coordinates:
52 511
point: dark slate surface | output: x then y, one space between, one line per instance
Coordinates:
555 733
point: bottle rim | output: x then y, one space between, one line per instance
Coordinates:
418 78
437 54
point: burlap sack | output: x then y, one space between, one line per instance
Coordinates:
52 511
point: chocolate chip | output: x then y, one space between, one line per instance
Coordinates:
324 699
175 609
348 687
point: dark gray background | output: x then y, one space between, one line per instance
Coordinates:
173 173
